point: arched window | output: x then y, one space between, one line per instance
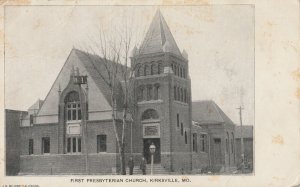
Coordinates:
232 143
180 72
156 92
141 93
73 110
175 93
178 93
185 137
152 69
137 70
145 69
141 70
177 119
181 128
150 114
159 68
181 94
187 97
149 92
227 143
184 73
185 100
175 69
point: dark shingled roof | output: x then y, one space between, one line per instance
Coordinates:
97 69
208 112
247 131
159 38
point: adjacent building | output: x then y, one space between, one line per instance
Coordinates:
12 140
221 134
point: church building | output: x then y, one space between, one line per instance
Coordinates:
188 136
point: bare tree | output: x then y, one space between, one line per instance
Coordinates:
112 50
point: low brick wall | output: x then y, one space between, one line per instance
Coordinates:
200 160
181 162
67 164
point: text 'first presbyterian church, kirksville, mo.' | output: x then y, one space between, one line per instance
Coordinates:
188 136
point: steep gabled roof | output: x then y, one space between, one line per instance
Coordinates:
99 69
159 38
92 66
208 112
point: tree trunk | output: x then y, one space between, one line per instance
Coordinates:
122 148
122 160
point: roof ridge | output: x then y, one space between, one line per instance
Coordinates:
222 113
217 109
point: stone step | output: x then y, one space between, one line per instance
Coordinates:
157 170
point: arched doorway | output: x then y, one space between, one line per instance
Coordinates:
151 134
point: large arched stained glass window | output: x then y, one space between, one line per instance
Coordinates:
150 114
73 110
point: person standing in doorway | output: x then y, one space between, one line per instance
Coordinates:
130 165
143 165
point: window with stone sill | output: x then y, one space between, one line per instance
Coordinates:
30 147
149 92
177 120
45 145
74 144
181 129
185 137
195 142
203 143
101 143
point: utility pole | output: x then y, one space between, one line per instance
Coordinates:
242 139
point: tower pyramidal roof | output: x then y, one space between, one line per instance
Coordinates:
159 37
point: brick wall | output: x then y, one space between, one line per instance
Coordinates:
200 160
12 140
67 164
37 132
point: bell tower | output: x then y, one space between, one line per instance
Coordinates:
163 98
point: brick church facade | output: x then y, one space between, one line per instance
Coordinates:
188 135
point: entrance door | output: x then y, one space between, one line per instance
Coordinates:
217 151
147 154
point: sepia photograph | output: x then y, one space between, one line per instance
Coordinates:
129 90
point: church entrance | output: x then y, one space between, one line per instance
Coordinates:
147 154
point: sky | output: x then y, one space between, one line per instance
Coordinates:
219 40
